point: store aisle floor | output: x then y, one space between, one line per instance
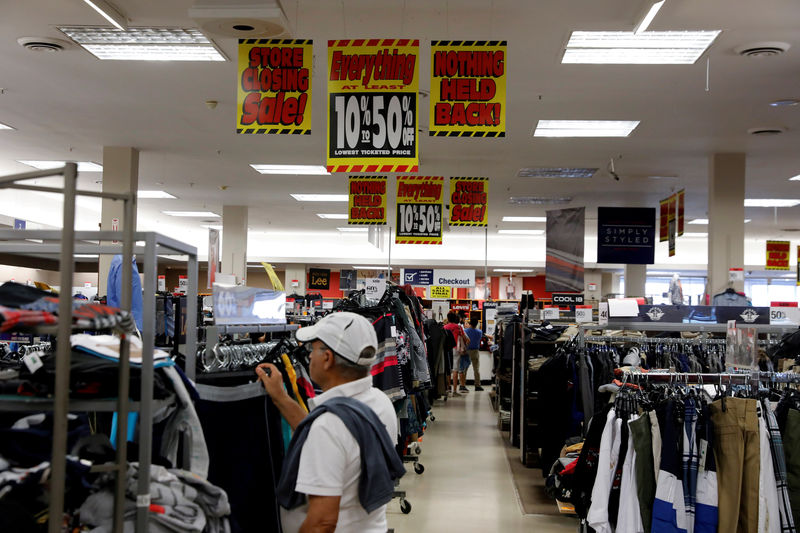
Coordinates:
467 485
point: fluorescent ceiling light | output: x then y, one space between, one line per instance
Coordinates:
524 219
653 47
705 221
384 267
5 127
556 172
212 226
145 44
83 166
521 231
306 170
795 178
695 235
155 194
109 13
320 197
585 128
348 229
648 18
538 200
86 256
513 270
333 216
775 202
191 214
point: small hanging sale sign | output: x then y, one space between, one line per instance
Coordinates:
663 220
439 292
469 202
367 200
274 86
419 210
681 200
373 89
778 255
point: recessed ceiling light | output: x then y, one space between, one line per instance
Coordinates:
145 44
695 235
191 214
5 127
348 229
785 102
384 267
83 166
333 216
307 170
705 221
795 178
320 197
521 231
556 172
155 194
538 200
764 202
524 219
521 270
584 128
653 47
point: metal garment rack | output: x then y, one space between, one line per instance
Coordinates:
154 245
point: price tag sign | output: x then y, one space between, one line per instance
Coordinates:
439 291
602 314
372 105
583 314
162 283
419 210
784 316
374 288
551 313
183 284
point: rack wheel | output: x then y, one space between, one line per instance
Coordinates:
418 449
433 418
405 507
418 468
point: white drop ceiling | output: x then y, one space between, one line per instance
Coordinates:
68 105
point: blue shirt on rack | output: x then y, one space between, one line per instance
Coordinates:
115 288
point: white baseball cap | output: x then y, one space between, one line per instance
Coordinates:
347 334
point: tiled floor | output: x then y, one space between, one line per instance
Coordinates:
467 485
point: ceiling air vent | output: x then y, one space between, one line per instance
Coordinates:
765 49
42 44
791 230
766 132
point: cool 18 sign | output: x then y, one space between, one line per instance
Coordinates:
373 125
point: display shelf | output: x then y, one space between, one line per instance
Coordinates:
32 404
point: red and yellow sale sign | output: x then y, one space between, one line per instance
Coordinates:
469 202
373 89
367 200
274 86
419 209
468 89
778 255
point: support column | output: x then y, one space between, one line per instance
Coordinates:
297 272
726 181
120 175
635 278
607 284
234 242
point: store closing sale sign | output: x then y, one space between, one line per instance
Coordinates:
778 253
419 210
469 201
274 86
372 105
468 89
367 196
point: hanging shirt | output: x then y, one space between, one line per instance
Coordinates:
629 518
769 520
607 464
115 288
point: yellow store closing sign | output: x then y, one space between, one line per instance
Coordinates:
469 201
367 200
274 86
439 291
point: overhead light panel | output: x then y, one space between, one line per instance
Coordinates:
585 128
510 270
695 235
648 48
795 178
705 221
524 219
556 172
648 18
538 200
5 127
333 216
191 214
295 170
350 229
384 267
144 44
521 231
320 197
155 195
83 166
775 202
108 12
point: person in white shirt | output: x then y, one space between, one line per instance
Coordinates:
342 348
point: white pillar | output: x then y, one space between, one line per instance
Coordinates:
295 272
234 242
635 278
120 175
726 181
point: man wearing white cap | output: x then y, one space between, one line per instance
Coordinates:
323 487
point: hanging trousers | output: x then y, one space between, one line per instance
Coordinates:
736 450
791 445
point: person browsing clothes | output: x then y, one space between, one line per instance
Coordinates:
473 352
339 470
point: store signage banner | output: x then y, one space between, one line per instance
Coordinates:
319 278
372 105
626 235
248 305
213 256
778 255
468 89
418 276
439 292
347 280
672 222
681 209
567 299
367 197
419 210
274 86
469 202
663 220
454 278
564 250
19 224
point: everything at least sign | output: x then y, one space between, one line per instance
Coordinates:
419 210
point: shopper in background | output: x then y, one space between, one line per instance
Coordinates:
473 354
323 487
454 327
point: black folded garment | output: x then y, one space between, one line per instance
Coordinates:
547 332
16 294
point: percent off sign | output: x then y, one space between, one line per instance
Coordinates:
374 124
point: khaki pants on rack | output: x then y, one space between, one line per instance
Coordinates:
736 449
